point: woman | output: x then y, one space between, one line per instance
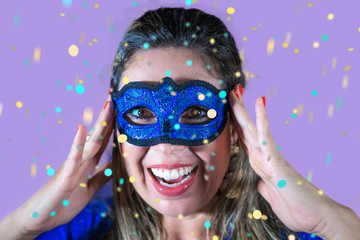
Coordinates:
188 162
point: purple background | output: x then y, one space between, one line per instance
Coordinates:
317 149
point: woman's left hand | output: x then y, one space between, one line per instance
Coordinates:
300 205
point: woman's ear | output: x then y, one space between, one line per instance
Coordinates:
233 134
236 136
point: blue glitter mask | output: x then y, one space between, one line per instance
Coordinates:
167 113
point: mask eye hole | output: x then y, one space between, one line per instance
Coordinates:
195 115
140 116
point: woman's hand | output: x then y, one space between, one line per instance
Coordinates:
48 207
300 205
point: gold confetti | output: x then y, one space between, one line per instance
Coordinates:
126 80
103 123
256 163
359 29
125 154
136 215
347 68
291 237
264 217
270 46
132 179
295 110
90 43
324 70
62 14
230 10
321 192
316 44
88 115
237 74
256 214
268 178
59 121
37 53
211 113
140 58
1 107
173 93
296 51
82 37
157 200
73 50
287 122
330 110
299 183
12 48
244 39
334 63
97 166
96 5
311 116
19 104
192 233
95 40
330 16
309 4
126 44
201 96
212 41
250 215
83 185
118 189
343 134
180 216
351 49
122 138
254 28
215 237
33 169
206 141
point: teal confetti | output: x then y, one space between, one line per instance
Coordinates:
328 158
226 35
58 82
212 168
208 67
0 159
27 61
85 5
177 126
66 3
88 75
16 20
339 103
47 46
148 209
78 147
52 213
168 73
220 82
188 2
43 114
149 63
186 43
66 202
134 4
111 28
34 160
69 87
324 37
170 116
275 37
43 140
58 109
101 137
79 89
108 172
293 115
146 45
50 171
209 94
264 142
314 92
103 214
89 176
189 63
278 148
187 24
213 154
86 63
207 224
35 215
248 234
153 37
121 181
193 35
281 183
222 94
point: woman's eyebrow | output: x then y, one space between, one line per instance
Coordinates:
177 81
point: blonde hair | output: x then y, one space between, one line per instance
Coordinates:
230 217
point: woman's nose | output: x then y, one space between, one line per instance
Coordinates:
168 148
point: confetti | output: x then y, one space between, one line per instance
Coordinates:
188 2
168 73
211 113
16 20
281 183
309 4
96 5
33 169
314 92
347 68
321 192
157 200
324 37
215 237
103 123
132 179
330 16
257 214
37 53
35 215
285 45
80 89
339 102
122 138
212 41
343 134
334 63
19 104
270 46
52 213
328 158
330 110
108 172
299 183
176 126
309 176
66 202
82 185
296 51
1 108
88 115
311 116
291 237
316 44
201 96
66 3
189 63
207 224
50 171
73 50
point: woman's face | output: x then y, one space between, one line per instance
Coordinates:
211 160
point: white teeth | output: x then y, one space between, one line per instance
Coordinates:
171 174
174 184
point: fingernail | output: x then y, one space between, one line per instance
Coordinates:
236 94
109 92
241 89
264 101
106 104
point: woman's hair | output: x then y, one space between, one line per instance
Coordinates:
230 217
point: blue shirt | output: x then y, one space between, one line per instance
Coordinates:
96 218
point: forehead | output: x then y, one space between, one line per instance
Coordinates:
181 64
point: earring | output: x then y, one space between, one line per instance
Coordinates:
235 150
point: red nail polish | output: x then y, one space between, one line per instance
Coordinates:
106 104
78 128
241 89
108 92
236 94
263 98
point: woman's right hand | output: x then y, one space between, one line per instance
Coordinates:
67 184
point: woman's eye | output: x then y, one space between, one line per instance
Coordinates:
140 116
195 115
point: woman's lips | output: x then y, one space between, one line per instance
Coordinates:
172 188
